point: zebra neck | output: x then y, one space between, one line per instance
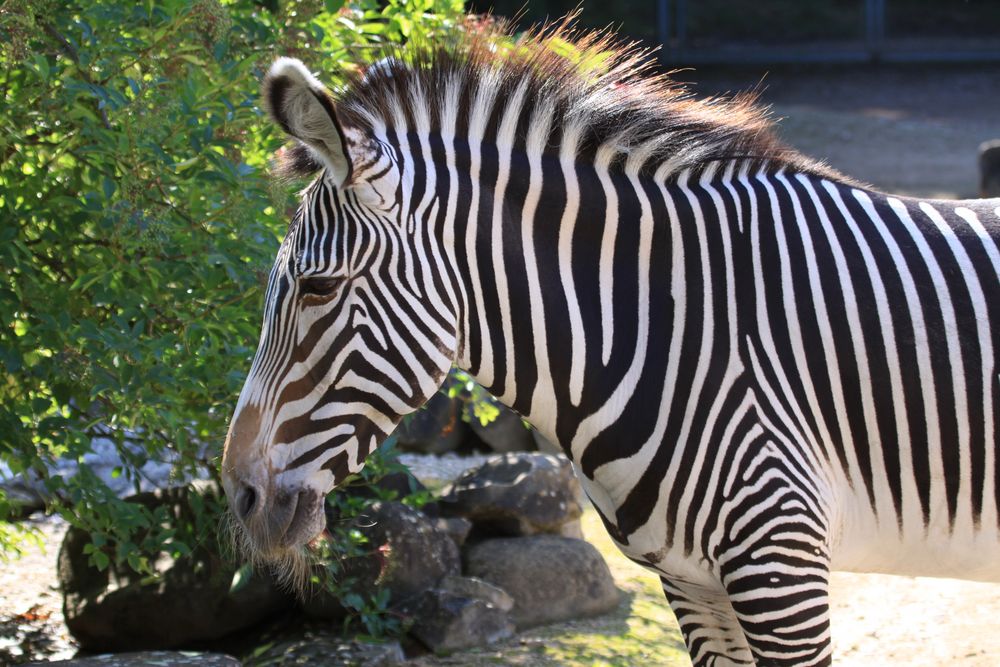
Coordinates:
576 272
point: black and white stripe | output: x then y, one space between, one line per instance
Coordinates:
760 370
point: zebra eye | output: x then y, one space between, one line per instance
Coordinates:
318 286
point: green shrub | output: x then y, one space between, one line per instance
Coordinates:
138 223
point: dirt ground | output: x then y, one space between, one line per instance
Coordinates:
911 130
31 619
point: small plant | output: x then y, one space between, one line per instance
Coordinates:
479 403
339 552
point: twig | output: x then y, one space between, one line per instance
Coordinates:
74 56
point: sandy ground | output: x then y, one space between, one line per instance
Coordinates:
907 130
885 620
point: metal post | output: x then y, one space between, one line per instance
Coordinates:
680 30
663 29
874 27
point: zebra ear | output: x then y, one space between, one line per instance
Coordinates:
301 105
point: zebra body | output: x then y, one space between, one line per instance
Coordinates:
760 370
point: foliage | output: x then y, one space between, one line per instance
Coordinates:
344 541
479 403
138 225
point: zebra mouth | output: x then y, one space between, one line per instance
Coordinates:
306 520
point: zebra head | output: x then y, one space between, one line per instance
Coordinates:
356 333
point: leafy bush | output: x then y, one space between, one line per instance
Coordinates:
138 226
344 542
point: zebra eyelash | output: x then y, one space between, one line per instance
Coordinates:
321 286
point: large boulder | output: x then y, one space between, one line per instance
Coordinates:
417 555
460 613
409 554
455 527
989 168
516 494
190 599
551 578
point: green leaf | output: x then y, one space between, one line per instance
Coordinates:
130 296
42 66
108 186
100 560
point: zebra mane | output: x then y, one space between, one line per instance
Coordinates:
607 91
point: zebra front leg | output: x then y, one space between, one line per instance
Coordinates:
785 615
709 625
778 586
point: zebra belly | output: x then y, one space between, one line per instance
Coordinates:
864 545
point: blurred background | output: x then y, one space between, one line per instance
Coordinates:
776 31
868 85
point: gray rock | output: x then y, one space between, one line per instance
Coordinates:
150 659
190 600
506 433
989 168
409 555
330 648
25 492
516 494
551 578
435 428
461 613
572 529
471 587
417 554
28 489
455 527
544 445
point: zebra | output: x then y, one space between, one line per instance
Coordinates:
761 369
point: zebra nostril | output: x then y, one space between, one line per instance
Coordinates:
246 501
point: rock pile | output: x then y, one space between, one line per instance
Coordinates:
525 511
498 552
503 554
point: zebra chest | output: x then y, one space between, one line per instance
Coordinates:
649 544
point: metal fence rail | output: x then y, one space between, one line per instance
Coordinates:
872 44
